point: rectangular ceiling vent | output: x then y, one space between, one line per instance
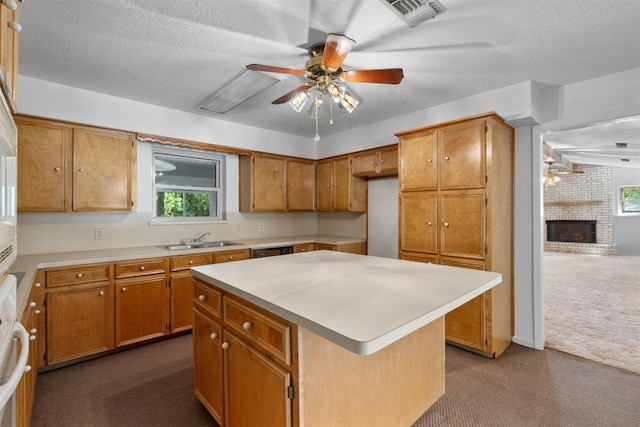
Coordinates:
415 12
622 145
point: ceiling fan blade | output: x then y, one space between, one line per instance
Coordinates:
387 76
273 69
292 94
336 49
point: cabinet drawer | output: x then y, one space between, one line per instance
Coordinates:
72 276
265 331
187 261
228 256
207 298
140 267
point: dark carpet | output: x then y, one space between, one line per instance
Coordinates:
152 386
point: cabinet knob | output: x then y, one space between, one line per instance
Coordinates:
11 4
81 170
291 185
213 335
225 345
202 297
335 185
27 368
446 224
328 185
32 304
246 326
33 331
230 258
430 160
370 163
15 26
304 250
37 311
446 157
32 337
37 285
101 293
190 262
429 223
382 161
56 169
79 275
123 290
142 268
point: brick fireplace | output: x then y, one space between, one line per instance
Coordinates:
580 209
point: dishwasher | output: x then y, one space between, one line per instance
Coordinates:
275 251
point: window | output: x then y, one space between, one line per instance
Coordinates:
629 200
187 185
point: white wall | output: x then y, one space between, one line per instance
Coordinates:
626 228
523 105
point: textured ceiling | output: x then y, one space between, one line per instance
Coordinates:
175 53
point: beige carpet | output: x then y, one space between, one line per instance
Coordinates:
592 307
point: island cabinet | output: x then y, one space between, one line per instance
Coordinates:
141 300
456 209
242 360
337 188
381 162
276 183
181 289
63 167
79 312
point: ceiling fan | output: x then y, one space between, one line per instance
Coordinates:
324 70
554 170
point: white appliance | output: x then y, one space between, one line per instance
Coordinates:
382 217
12 366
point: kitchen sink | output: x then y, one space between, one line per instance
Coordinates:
196 245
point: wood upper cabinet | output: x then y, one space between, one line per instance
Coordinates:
376 163
337 188
456 208
104 170
63 168
9 55
271 183
44 166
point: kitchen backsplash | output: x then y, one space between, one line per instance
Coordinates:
62 232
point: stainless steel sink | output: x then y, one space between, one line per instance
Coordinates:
196 245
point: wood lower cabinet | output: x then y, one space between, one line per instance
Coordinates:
63 167
242 361
25 392
456 208
141 309
79 321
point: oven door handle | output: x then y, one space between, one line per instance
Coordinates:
7 389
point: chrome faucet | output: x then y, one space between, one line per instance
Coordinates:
199 239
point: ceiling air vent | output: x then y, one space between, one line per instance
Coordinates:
622 145
414 12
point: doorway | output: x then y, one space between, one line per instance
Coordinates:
382 219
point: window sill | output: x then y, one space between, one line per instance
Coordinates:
186 222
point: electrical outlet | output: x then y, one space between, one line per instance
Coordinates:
261 226
98 234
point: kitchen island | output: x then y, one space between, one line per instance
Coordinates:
324 338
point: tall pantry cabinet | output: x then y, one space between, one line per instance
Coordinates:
456 209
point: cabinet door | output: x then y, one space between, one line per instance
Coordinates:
418 157
9 55
256 388
324 186
181 301
341 176
141 309
462 225
44 178
79 323
364 164
419 222
300 185
268 183
466 324
103 170
462 156
388 161
207 365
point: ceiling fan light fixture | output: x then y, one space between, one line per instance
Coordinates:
336 91
299 101
349 102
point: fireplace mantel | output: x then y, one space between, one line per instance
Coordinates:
574 203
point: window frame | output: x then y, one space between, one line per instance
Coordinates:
621 200
215 193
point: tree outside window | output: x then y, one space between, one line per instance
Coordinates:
630 200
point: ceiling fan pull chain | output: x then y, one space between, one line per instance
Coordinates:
317 104
331 113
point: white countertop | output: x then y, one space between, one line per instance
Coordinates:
30 263
359 302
